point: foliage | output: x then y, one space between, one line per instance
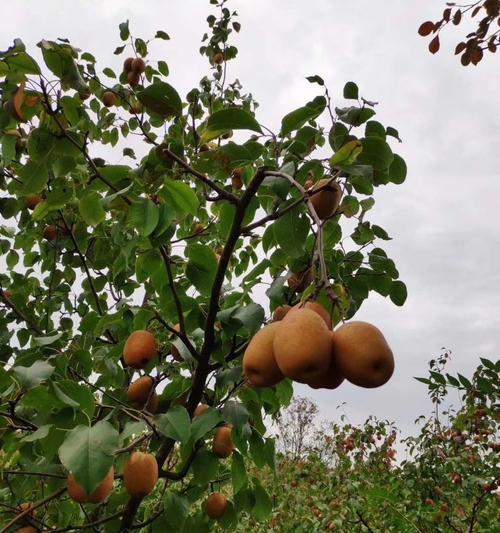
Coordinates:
349 478
120 214
486 36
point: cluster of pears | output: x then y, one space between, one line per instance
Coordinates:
300 344
133 68
140 476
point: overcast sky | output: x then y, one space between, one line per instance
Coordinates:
444 219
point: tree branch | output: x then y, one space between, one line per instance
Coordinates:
31 325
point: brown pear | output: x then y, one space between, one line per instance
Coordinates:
223 445
32 200
127 64
302 346
332 378
139 349
109 99
133 78
50 232
139 392
216 505
280 312
27 529
317 308
140 474
362 354
200 409
78 494
138 65
326 201
259 363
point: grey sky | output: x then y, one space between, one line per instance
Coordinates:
443 219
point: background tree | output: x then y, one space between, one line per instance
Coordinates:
486 36
360 478
139 225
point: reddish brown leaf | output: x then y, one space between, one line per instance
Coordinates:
426 28
460 48
434 45
457 17
465 59
476 56
492 47
475 11
446 14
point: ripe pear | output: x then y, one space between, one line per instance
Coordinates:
140 474
222 445
362 354
78 494
51 232
332 378
326 201
133 78
200 409
259 363
317 308
109 99
139 392
127 64
216 505
139 349
138 65
27 529
302 346
237 179
32 200
280 312
218 58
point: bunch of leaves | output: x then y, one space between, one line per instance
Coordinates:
486 36
137 226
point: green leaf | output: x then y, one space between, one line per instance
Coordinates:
355 116
175 423
397 170
238 472
35 176
376 152
124 30
88 453
205 467
235 413
160 34
33 375
91 209
349 206
75 395
348 154
59 59
375 129
398 292
297 118
290 232
143 216
179 195
162 99
351 91
204 423
263 505
232 118
39 434
22 63
177 509
201 267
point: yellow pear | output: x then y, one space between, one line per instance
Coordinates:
259 363
362 354
302 345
